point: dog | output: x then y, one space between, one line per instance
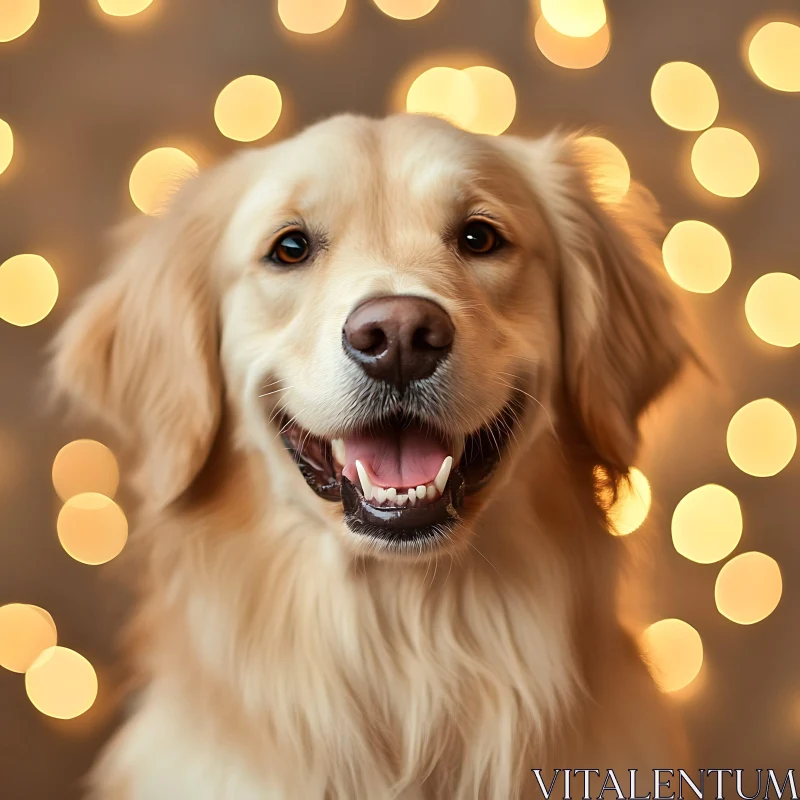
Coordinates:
374 383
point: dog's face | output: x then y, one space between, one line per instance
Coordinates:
390 312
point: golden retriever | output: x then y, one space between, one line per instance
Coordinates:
371 380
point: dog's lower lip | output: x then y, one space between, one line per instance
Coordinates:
407 522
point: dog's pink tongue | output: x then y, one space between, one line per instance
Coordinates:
399 458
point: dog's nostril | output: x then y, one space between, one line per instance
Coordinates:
375 342
422 339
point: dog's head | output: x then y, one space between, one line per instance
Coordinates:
389 312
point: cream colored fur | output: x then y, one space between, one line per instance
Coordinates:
279 656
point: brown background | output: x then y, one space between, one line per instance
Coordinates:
86 98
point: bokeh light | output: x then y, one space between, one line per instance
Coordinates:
496 100
696 256
25 633
609 172
684 96
725 162
748 588
248 108
774 55
85 466
61 683
707 524
674 652
578 18
28 289
406 9
571 52
16 17
310 16
92 528
632 504
157 175
444 92
762 438
772 309
123 8
6 145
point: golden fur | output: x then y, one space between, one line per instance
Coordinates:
280 657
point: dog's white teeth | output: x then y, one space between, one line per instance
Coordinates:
366 483
391 494
338 450
412 497
421 492
379 494
430 491
402 499
440 481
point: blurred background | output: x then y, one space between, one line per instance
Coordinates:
105 105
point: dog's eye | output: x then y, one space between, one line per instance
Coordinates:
291 248
480 237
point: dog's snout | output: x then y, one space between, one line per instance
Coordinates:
398 339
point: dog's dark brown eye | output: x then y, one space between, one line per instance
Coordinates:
480 237
291 248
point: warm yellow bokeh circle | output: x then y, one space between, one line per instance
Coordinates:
123 8
61 683
774 55
772 309
571 52
248 108
496 100
725 162
762 438
696 256
479 99
85 466
632 504
674 652
609 172
444 92
28 289
684 96
17 17
748 588
707 524
310 16
579 18
92 528
406 9
157 175
6 145
25 633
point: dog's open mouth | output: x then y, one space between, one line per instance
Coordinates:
399 480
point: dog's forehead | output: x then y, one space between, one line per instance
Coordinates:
348 165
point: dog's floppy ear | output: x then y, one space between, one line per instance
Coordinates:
141 348
622 335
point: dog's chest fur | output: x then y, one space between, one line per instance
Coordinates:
322 678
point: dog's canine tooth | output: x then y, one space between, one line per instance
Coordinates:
366 483
440 481
430 491
421 492
338 450
379 494
402 499
391 494
412 496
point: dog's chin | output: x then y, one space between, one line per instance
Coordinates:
404 485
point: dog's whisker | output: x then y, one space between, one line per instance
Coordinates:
275 391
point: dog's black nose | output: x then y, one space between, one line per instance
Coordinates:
398 339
